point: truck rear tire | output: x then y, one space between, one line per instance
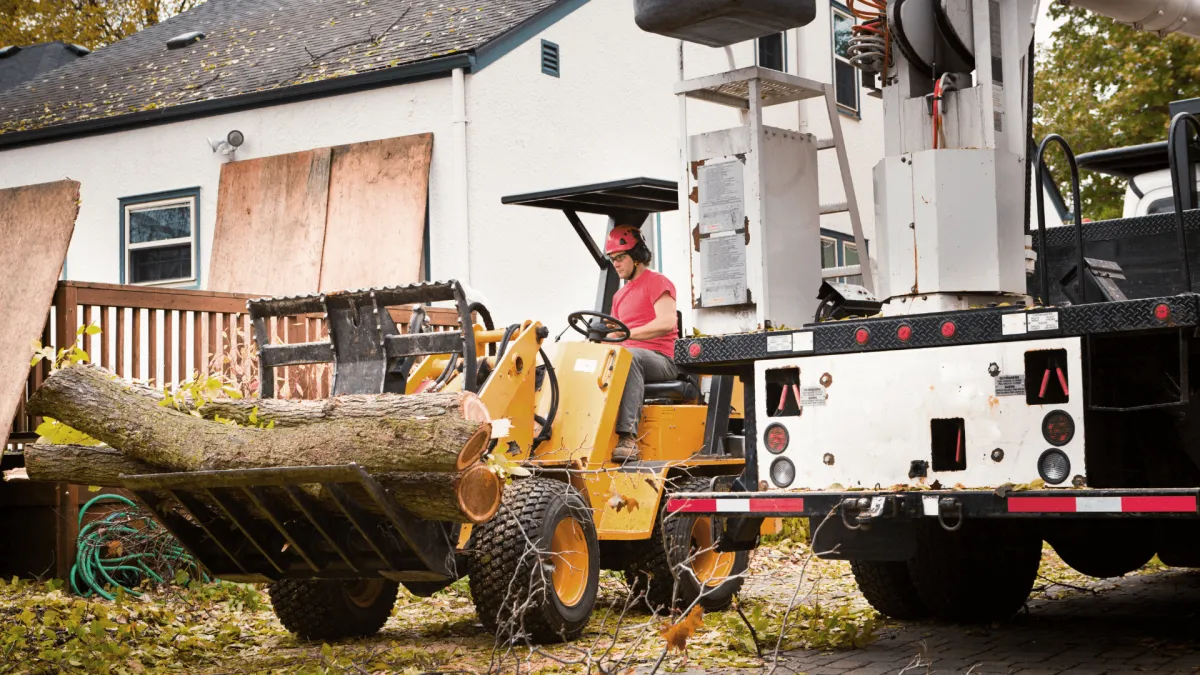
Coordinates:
981 573
1103 548
680 560
333 609
536 565
887 585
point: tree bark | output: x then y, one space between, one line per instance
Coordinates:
81 464
434 433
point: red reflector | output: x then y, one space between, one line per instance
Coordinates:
862 335
1162 312
691 505
904 333
948 329
1058 428
694 349
777 438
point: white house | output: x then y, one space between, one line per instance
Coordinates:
518 95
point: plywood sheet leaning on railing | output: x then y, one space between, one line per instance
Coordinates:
36 224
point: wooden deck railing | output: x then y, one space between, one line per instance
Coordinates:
165 336
159 335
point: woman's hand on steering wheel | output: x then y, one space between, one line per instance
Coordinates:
608 329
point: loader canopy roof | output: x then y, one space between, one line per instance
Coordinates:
625 202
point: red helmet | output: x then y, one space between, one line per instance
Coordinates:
622 238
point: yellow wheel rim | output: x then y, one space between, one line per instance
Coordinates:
364 592
710 566
569 552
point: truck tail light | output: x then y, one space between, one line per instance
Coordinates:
1058 428
776 438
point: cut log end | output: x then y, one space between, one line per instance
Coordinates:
479 493
474 448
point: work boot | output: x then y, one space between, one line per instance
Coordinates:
627 449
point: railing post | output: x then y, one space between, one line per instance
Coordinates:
66 304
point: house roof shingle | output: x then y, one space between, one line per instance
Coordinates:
255 46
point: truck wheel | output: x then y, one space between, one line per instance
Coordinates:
1104 549
886 584
983 572
546 590
333 609
680 560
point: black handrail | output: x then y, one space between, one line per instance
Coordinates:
1176 188
1043 262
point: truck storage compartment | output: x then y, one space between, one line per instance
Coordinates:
719 23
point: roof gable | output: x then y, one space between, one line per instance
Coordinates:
255 46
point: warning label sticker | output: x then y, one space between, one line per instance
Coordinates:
779 343
812 396
1010 385
1043 321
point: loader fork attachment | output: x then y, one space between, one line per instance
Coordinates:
364 343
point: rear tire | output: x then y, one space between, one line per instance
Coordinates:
982 573
680 560
886 584
333 609
1103 549
546 591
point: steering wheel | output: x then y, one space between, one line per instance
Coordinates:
599 328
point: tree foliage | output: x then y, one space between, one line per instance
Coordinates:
1103 85
89 23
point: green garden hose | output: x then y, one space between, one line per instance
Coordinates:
112 553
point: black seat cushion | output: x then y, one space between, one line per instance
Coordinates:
682 390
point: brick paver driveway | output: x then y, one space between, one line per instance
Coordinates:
1136 624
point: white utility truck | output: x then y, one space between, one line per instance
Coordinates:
993 383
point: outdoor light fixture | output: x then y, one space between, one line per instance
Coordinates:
232 141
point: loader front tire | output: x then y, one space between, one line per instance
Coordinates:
333 609
535 566
886 584
680 562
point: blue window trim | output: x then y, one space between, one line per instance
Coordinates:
842 239
194 193
856 113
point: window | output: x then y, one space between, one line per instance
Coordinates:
845 76
850 257
828 253
550 65
158 238
772 51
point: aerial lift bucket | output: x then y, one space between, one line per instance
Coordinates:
260 525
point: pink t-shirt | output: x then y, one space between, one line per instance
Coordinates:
634 305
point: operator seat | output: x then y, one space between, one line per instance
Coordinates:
684 389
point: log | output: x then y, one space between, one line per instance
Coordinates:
81 464
388 434
474 493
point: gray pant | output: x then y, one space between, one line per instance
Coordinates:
648 366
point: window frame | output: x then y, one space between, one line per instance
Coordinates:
783 47
836 8
189 196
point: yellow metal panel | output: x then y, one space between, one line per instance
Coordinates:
630 503
509 392
771 526
737 399
671 431
591 378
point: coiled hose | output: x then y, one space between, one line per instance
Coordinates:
112 553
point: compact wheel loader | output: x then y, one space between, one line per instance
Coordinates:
568 512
